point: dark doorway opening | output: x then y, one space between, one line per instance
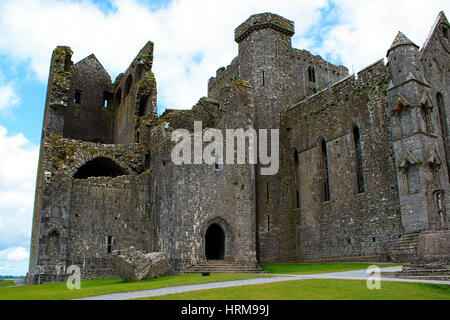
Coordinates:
214 243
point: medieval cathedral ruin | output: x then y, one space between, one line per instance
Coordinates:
363 174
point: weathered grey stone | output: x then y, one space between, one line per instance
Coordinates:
364 160
133 265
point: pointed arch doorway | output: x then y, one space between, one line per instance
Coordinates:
215 243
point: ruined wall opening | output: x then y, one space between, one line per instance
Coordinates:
360 185
142 106
444 129
107 98
77 97
215 243
324 169
99 167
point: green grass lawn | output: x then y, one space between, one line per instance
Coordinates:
6 283
59 291
317 268
319 289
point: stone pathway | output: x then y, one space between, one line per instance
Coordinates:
347 275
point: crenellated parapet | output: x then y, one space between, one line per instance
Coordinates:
263 21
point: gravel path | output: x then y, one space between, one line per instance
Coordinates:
347 275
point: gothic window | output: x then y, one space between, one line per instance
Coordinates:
428 120
53 243
324 171
297 178
360 185
99 167
440 205
444 128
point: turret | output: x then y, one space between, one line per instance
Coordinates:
404 60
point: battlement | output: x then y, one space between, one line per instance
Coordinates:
262 21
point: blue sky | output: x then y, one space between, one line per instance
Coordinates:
193 38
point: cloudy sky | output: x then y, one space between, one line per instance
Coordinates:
193 38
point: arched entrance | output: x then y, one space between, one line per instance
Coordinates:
214 243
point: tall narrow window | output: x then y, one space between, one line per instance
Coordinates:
107 98
147 161
77 97
444 128
267 192
263 80
428 120
109 242
325 177
312 74
360 185
268 223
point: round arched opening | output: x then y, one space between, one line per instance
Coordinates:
99 167
215 243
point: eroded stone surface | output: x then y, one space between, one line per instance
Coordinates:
133 265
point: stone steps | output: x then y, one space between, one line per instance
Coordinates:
221 266
406 248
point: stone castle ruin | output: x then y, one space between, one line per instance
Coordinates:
363 175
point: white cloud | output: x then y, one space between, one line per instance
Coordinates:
181 30
8 97
18 169
19 254
366 29
185 29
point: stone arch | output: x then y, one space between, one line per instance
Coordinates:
99 167
226 242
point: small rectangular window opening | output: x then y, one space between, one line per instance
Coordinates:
109 242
